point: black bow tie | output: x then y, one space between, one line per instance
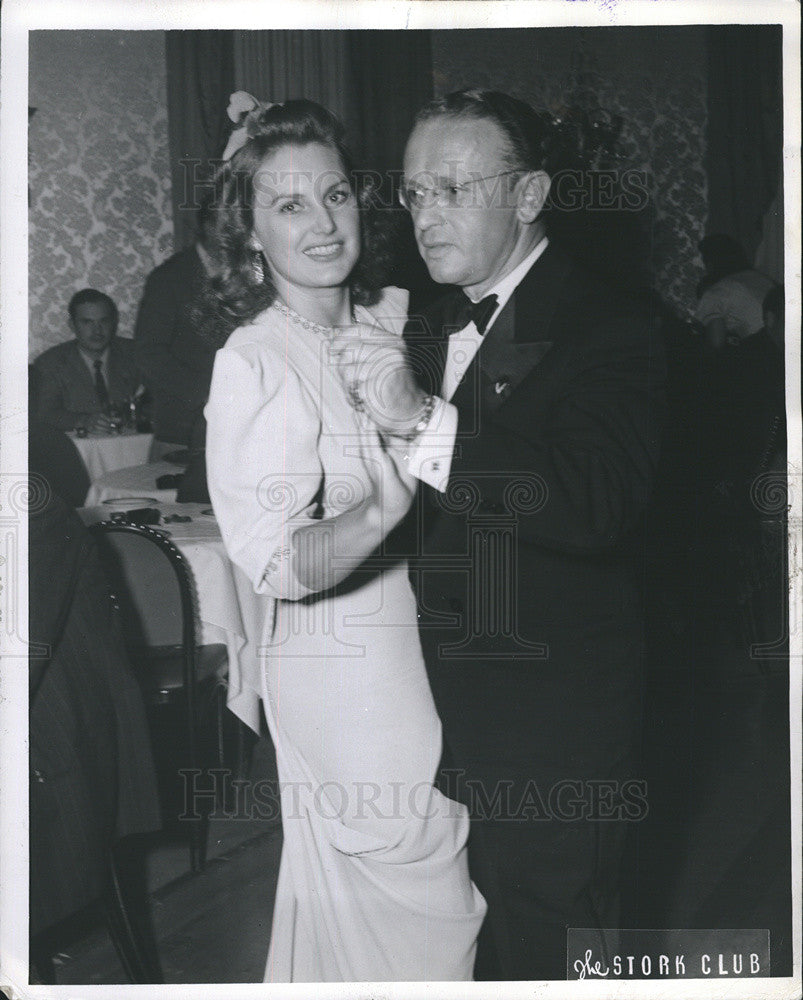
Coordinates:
460 311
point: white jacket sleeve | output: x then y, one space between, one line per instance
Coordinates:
263 467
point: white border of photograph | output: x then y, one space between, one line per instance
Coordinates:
18 18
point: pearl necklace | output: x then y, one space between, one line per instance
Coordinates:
308 324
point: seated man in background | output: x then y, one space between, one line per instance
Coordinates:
79 382
175 361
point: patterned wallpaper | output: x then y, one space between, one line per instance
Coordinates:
99 181
653 77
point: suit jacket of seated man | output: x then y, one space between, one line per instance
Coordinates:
528 580
65 386
176 362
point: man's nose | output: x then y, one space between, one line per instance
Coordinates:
428 216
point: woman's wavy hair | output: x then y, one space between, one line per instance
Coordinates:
233 295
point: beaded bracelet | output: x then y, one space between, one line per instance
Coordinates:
423 422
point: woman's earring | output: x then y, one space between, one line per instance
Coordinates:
258 268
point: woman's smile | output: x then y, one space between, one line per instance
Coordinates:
325 251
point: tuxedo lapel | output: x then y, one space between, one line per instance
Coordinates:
505 362
537 297
522 335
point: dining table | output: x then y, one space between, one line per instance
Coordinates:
134 481
228 610
104 452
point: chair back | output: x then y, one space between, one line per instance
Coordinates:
151 585
152 589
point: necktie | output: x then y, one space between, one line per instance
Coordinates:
460 311
100 385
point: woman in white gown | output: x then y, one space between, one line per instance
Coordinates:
373 882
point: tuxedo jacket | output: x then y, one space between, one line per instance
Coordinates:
65 387
528 568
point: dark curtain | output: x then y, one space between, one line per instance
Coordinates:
391 73
745 128
280 65
391 77
200 79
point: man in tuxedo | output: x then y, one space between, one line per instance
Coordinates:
529 404
79 381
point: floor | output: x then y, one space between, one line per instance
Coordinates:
211 927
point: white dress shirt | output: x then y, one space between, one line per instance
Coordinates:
431 458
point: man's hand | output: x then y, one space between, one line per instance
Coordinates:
372 365
97 422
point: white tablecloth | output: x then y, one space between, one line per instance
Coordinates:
134 482
103 453
228 610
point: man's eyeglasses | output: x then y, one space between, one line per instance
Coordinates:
455 195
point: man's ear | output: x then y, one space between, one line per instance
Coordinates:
532 195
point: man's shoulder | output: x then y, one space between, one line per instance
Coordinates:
586 311
595 292
178 266
57 356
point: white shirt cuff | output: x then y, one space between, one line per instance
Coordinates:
430 457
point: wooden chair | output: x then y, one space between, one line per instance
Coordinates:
153 592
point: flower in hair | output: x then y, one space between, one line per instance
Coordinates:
240 104
243 110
